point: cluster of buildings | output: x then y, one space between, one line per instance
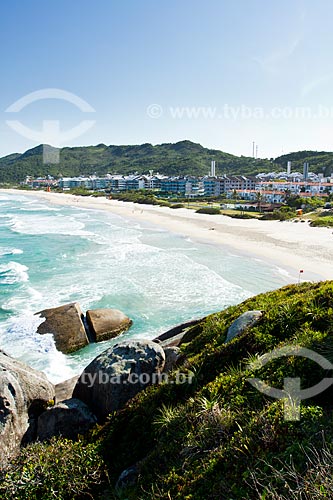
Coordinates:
288 175
273 187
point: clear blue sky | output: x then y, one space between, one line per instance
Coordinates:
121 56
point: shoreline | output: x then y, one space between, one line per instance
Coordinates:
292 246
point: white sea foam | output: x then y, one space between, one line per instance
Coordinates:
10 251
39 208
13 272
23 301
22 341
35 206
39 224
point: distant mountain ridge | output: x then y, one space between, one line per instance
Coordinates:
180 158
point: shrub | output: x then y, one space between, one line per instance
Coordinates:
177 205
278 215
285 482
98 194
240 216
60 469
326 221
326 213
208 210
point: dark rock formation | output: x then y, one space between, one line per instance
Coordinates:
127 478
24 395
118 374
174 336
66 325
67 419
242 323
105 324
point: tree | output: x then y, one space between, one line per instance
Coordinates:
235 195
259 200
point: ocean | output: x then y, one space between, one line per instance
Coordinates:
51 255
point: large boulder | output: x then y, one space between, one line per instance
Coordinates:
64 390
66 325
67 419
24 395
105 324
243 323
118 374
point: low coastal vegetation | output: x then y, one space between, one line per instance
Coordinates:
240 215
217 437
323 220
177 205
284 213
209 210
313 210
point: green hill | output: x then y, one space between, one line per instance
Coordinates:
218 437
181 158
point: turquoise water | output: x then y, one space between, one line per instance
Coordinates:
51 255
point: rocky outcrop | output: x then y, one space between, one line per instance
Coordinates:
118 374
105 324
24 395
174 337
172 357
67 419
66 325
72 330
243 323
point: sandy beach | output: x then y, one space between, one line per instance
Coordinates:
290 245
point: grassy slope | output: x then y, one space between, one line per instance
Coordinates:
206 440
